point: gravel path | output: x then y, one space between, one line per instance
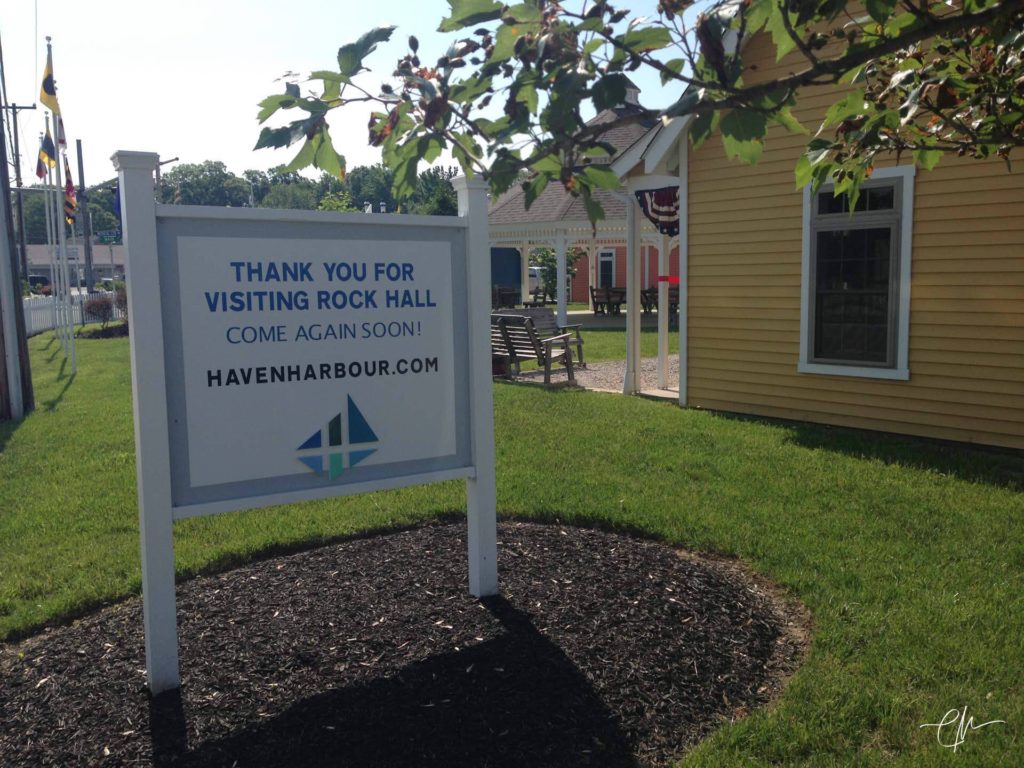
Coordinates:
610 375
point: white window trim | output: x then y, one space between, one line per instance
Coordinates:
901 371
601 254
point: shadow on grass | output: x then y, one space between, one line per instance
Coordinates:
516 700
53 402
1003 468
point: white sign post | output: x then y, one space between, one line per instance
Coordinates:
279 356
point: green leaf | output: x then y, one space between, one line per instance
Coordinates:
469 89
594 210
642 39
527 94
326 158
271 104
524 12
928 158
897 25
814 166
548 164
609 91
743 134
850 106
303 158
851 76
880 10
350 56
534 188
601 176
467 13
676 66
756 15
703 127
776 25
429 148
787 120
504 43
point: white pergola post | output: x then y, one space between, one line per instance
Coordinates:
560 246
631 384
591 271
684 278
663 270
524 269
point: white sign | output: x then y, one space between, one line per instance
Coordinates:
314 356
279 356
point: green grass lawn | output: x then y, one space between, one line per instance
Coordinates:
910 556
610 343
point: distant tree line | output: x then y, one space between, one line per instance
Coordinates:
211 183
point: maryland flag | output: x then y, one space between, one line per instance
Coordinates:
70 196
61 138
47 155
48 91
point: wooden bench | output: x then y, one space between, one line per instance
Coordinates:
649 299
608 301
546 325
504 296
616 298
540 298
515 338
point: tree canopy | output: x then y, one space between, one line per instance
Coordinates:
211 183
923 79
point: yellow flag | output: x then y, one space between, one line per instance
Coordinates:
48 91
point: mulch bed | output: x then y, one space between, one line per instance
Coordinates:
602 650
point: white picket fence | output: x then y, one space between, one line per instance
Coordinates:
40 315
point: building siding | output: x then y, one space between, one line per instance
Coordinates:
966 343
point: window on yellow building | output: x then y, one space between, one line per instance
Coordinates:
855 299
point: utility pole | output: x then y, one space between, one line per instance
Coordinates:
159 196
83 206
21 193
19 398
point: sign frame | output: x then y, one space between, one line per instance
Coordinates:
152 338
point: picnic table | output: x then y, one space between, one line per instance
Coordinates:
608 300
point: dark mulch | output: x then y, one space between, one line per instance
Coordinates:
112 331
603 650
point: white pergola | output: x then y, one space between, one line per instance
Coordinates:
561 236
657 161
654 162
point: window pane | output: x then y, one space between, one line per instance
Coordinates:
880 198
870 199
829 203
852 268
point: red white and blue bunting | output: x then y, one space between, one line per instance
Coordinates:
661 207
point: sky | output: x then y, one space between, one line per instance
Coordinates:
184 79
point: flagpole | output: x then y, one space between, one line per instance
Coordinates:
51 239
49 235
62 239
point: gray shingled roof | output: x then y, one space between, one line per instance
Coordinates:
554 203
